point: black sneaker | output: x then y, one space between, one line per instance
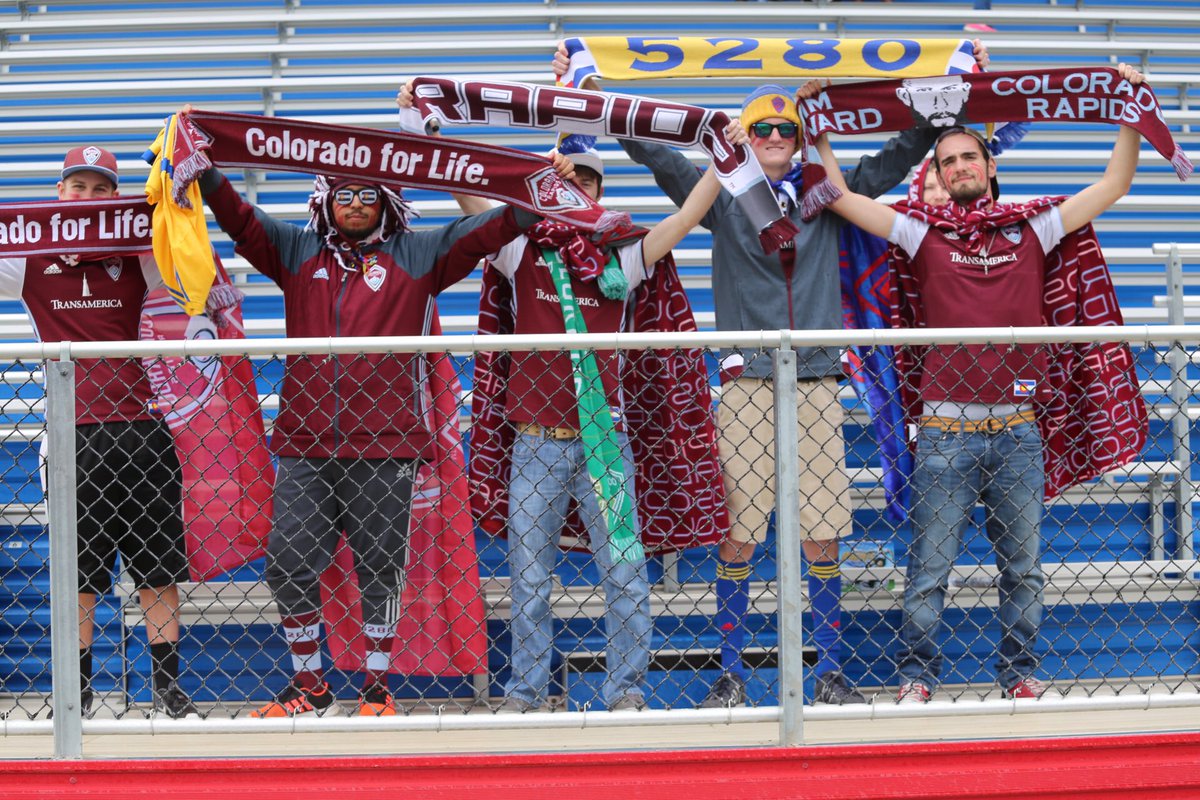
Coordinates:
85 705
728 692
171 700
295 702
832 689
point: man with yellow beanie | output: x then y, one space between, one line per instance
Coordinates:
797 288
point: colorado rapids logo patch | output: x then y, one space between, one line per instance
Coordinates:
375 276
551 194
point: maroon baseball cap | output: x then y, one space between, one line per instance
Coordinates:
93 159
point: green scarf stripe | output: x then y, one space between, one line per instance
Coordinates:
596 427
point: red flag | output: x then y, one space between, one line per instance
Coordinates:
211 407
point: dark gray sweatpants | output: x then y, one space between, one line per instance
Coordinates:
316 499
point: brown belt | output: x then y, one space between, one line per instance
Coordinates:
542 432
989 425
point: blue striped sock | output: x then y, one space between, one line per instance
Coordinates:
733 599
825 597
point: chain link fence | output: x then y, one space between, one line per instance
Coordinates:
413 542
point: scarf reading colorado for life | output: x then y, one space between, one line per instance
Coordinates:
558 109
203 139
214 418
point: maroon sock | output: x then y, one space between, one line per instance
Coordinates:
303 634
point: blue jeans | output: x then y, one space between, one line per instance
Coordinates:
546 474
953 472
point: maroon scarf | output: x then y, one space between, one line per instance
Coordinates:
1053 95
92 228
582 256
208 138
668 416
557 108
1091 416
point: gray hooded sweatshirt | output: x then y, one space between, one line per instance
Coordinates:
751 289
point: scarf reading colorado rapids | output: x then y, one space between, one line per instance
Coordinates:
1052 95
554 108
208 138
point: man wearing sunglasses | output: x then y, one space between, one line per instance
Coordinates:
351 429
977 263
796 288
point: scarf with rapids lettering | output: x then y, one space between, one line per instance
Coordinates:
668 417
1091 416
1053 95
555 108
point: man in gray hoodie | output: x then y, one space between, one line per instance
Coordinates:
797 288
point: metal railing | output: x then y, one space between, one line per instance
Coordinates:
1167 571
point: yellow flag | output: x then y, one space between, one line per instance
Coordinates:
181 244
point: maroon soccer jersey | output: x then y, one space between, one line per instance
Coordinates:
1000 286
89 301
541 385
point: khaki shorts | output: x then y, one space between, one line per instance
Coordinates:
746 422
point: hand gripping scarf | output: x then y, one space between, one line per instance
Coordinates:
554 108
1052 95
668 418
1092 417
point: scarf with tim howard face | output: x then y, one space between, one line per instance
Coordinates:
1053 95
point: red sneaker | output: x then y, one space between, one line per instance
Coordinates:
913 692
1027 689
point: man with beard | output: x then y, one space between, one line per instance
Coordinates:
351 430
976 263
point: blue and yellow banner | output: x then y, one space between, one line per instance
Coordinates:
625 58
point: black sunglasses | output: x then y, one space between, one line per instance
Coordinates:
367 196
787 130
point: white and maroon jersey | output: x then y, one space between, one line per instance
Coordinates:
89 301
541 385
1002 285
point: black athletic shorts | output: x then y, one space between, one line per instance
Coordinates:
129 488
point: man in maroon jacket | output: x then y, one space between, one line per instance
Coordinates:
352 428
127 474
